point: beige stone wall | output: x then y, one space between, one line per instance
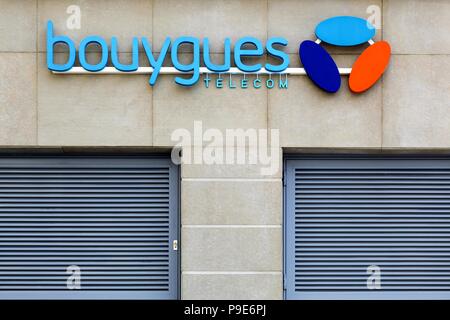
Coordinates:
231 215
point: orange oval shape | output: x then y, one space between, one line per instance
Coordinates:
369 66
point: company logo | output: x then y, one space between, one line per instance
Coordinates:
191 70
344 31
317 62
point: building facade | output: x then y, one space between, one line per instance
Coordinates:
233 219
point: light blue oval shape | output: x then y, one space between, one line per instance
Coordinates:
345 31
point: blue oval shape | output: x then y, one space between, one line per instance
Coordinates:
345 31
319 66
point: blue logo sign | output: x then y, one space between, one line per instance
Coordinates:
241 51
317 62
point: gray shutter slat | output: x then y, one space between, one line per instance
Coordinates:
114 217
344 214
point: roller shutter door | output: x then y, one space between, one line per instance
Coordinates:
109 222
367 228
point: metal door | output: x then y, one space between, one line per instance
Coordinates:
367 227
88 228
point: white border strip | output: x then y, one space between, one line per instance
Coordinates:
203 70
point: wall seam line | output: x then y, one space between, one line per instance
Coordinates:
231 226
233 179
37 142
232 272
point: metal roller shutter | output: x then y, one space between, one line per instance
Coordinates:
346 217
114 218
